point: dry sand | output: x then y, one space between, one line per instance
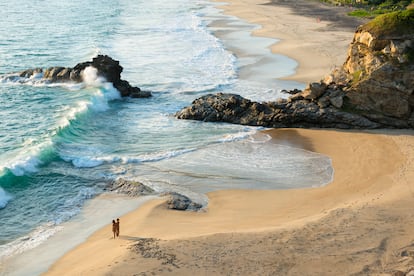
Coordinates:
315 35
361 223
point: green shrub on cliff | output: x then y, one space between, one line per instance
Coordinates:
394 23
373 8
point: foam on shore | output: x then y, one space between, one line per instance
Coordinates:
95 215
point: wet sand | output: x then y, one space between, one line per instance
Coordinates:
359 223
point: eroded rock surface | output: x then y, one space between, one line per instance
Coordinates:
373 89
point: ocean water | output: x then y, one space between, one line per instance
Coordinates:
61 143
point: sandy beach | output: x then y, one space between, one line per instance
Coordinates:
315 35
361 223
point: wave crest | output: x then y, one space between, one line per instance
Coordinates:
94 161
4 198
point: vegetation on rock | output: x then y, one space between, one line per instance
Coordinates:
395 24
373 8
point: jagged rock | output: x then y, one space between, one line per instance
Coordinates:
313 91
337 101
52 73
324 101
110 69
106 67
235 109
64 74
379 69
292 92
31 72
181 202
130 188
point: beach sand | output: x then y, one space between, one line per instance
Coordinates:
315 35
360 223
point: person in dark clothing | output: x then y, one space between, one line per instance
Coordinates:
114 228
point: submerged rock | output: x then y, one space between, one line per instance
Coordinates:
128 187
181 202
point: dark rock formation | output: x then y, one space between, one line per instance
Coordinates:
106 67
175 200
373 89
178 201
130 188
294 112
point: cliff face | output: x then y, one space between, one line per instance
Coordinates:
379 70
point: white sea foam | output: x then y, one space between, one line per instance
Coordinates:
70 207
23 163
4 198
91 78
94 161
85 162
103 96
247 164
71 114
239 135
29 164
37 80
67 235
29 241
157 156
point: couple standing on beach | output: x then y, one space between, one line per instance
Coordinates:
115 227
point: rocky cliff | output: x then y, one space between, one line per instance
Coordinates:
373 89
379 70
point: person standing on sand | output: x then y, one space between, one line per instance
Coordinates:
114 224
117 227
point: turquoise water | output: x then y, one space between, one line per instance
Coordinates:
60 143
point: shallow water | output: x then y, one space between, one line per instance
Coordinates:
60 144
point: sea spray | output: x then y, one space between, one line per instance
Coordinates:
91 78
28 158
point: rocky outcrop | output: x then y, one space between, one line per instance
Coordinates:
128 187
181 202
294 112
131 188
106 67
373 89
379 70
